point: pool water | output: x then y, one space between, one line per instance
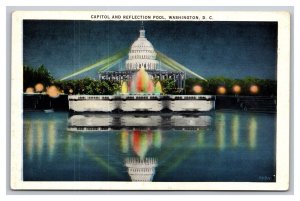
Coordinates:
219 146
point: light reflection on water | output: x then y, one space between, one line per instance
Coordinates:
219 146
235 130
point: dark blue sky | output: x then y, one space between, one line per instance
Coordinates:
230 49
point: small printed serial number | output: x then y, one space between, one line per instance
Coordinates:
265 178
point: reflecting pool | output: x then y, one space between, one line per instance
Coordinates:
215 146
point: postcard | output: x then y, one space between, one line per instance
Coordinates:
150 100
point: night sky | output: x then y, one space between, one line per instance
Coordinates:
229 49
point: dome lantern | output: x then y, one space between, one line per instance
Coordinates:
142 33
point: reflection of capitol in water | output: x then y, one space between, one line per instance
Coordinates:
143 144
40 136
141 169
103 122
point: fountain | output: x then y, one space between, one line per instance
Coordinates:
158 88
141 95
124 88
141 83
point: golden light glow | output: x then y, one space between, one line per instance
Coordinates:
39 137
39 87
221 90
158 88
221 131
236 89
235 125
140 143
252 132
254 89
124 88
51 138
71 91
197 89
124 141
29 138
29 90
52 91
157 138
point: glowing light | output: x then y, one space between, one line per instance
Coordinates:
39 87
110 61
252 128
175 65
39 137
53 92
29 138
150 87
236 89
157 139
132 87
51 138
140 143
221 131
254 89
124 88
29 90
235 124
158 88
141 82
221 90
124 141
149 137
71 91
106 63
197 89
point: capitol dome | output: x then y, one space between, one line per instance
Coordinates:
141 53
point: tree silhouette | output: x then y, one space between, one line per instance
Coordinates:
33 76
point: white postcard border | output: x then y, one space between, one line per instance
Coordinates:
283 102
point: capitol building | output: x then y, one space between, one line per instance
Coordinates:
143 54
143 68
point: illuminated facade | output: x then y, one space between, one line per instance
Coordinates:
142 54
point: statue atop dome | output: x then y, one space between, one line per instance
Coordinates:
142 31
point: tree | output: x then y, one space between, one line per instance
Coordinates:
266 87
33 76
169 86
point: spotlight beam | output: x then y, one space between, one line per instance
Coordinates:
176 65
106 62
169 64
110 61
164 65
109 65
164 59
